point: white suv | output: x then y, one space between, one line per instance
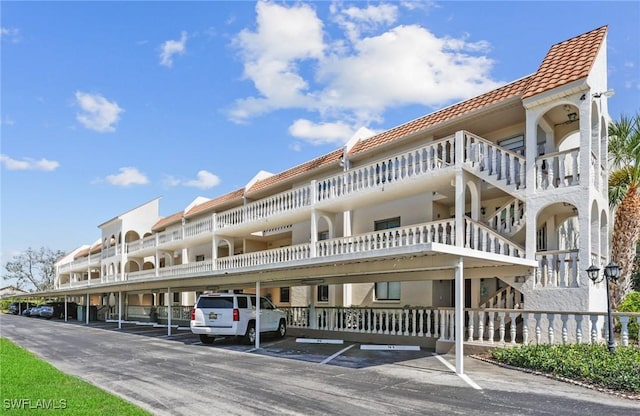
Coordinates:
234 314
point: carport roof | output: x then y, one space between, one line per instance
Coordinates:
429 261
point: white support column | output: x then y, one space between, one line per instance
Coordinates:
459 316
120 310
65 308
86 310
168 311
314 233
257 345
460 200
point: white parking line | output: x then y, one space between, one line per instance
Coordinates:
326 360
462 376
319 341
390 347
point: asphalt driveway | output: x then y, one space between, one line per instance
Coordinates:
178 375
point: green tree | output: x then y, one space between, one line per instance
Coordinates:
33 268
624 184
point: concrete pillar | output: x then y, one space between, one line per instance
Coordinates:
257 345
459 316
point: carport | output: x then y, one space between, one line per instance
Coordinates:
429 261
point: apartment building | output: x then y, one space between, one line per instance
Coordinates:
504 193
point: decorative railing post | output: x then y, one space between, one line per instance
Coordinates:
471 316
624 329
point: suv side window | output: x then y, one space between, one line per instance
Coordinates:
265 304
216 302
242 302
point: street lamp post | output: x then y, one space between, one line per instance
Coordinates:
611 274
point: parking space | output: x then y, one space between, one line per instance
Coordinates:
346 354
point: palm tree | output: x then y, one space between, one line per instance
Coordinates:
624 184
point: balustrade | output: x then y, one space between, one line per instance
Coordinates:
494 161
557 268
558 170
485 326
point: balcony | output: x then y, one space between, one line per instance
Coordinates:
403 241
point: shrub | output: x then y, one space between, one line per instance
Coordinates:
630 303
592 364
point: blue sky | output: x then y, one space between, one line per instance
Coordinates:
107 105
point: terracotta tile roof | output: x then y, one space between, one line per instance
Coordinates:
566 62
88 250
507 91
210 205
324 160
166 221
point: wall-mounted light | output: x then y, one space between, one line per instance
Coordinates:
572 116
483 210
607 93
583 97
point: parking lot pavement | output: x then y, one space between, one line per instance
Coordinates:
178 375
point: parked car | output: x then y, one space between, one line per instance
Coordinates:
34 311
234 314
46 311
17 308
27 312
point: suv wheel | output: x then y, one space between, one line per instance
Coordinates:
205 339
282 328
250 335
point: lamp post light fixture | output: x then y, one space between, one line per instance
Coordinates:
611 274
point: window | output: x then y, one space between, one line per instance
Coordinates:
176 297
200 257
323 235
514 144
386 224
284 295
387 291
323 293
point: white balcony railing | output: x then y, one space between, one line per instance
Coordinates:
432 232
557 268
508 218
410 164
485 326
558 170
495 161
263 208
480 237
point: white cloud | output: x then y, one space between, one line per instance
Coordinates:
128 176
28 164
321 133
11 34
355 20
356 78
172 47
98 113
205 180
284 36
295 147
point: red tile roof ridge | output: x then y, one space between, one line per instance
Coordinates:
579 52
215 202
162 223
306 167
444 114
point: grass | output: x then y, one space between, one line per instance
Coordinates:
28 384
590 364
